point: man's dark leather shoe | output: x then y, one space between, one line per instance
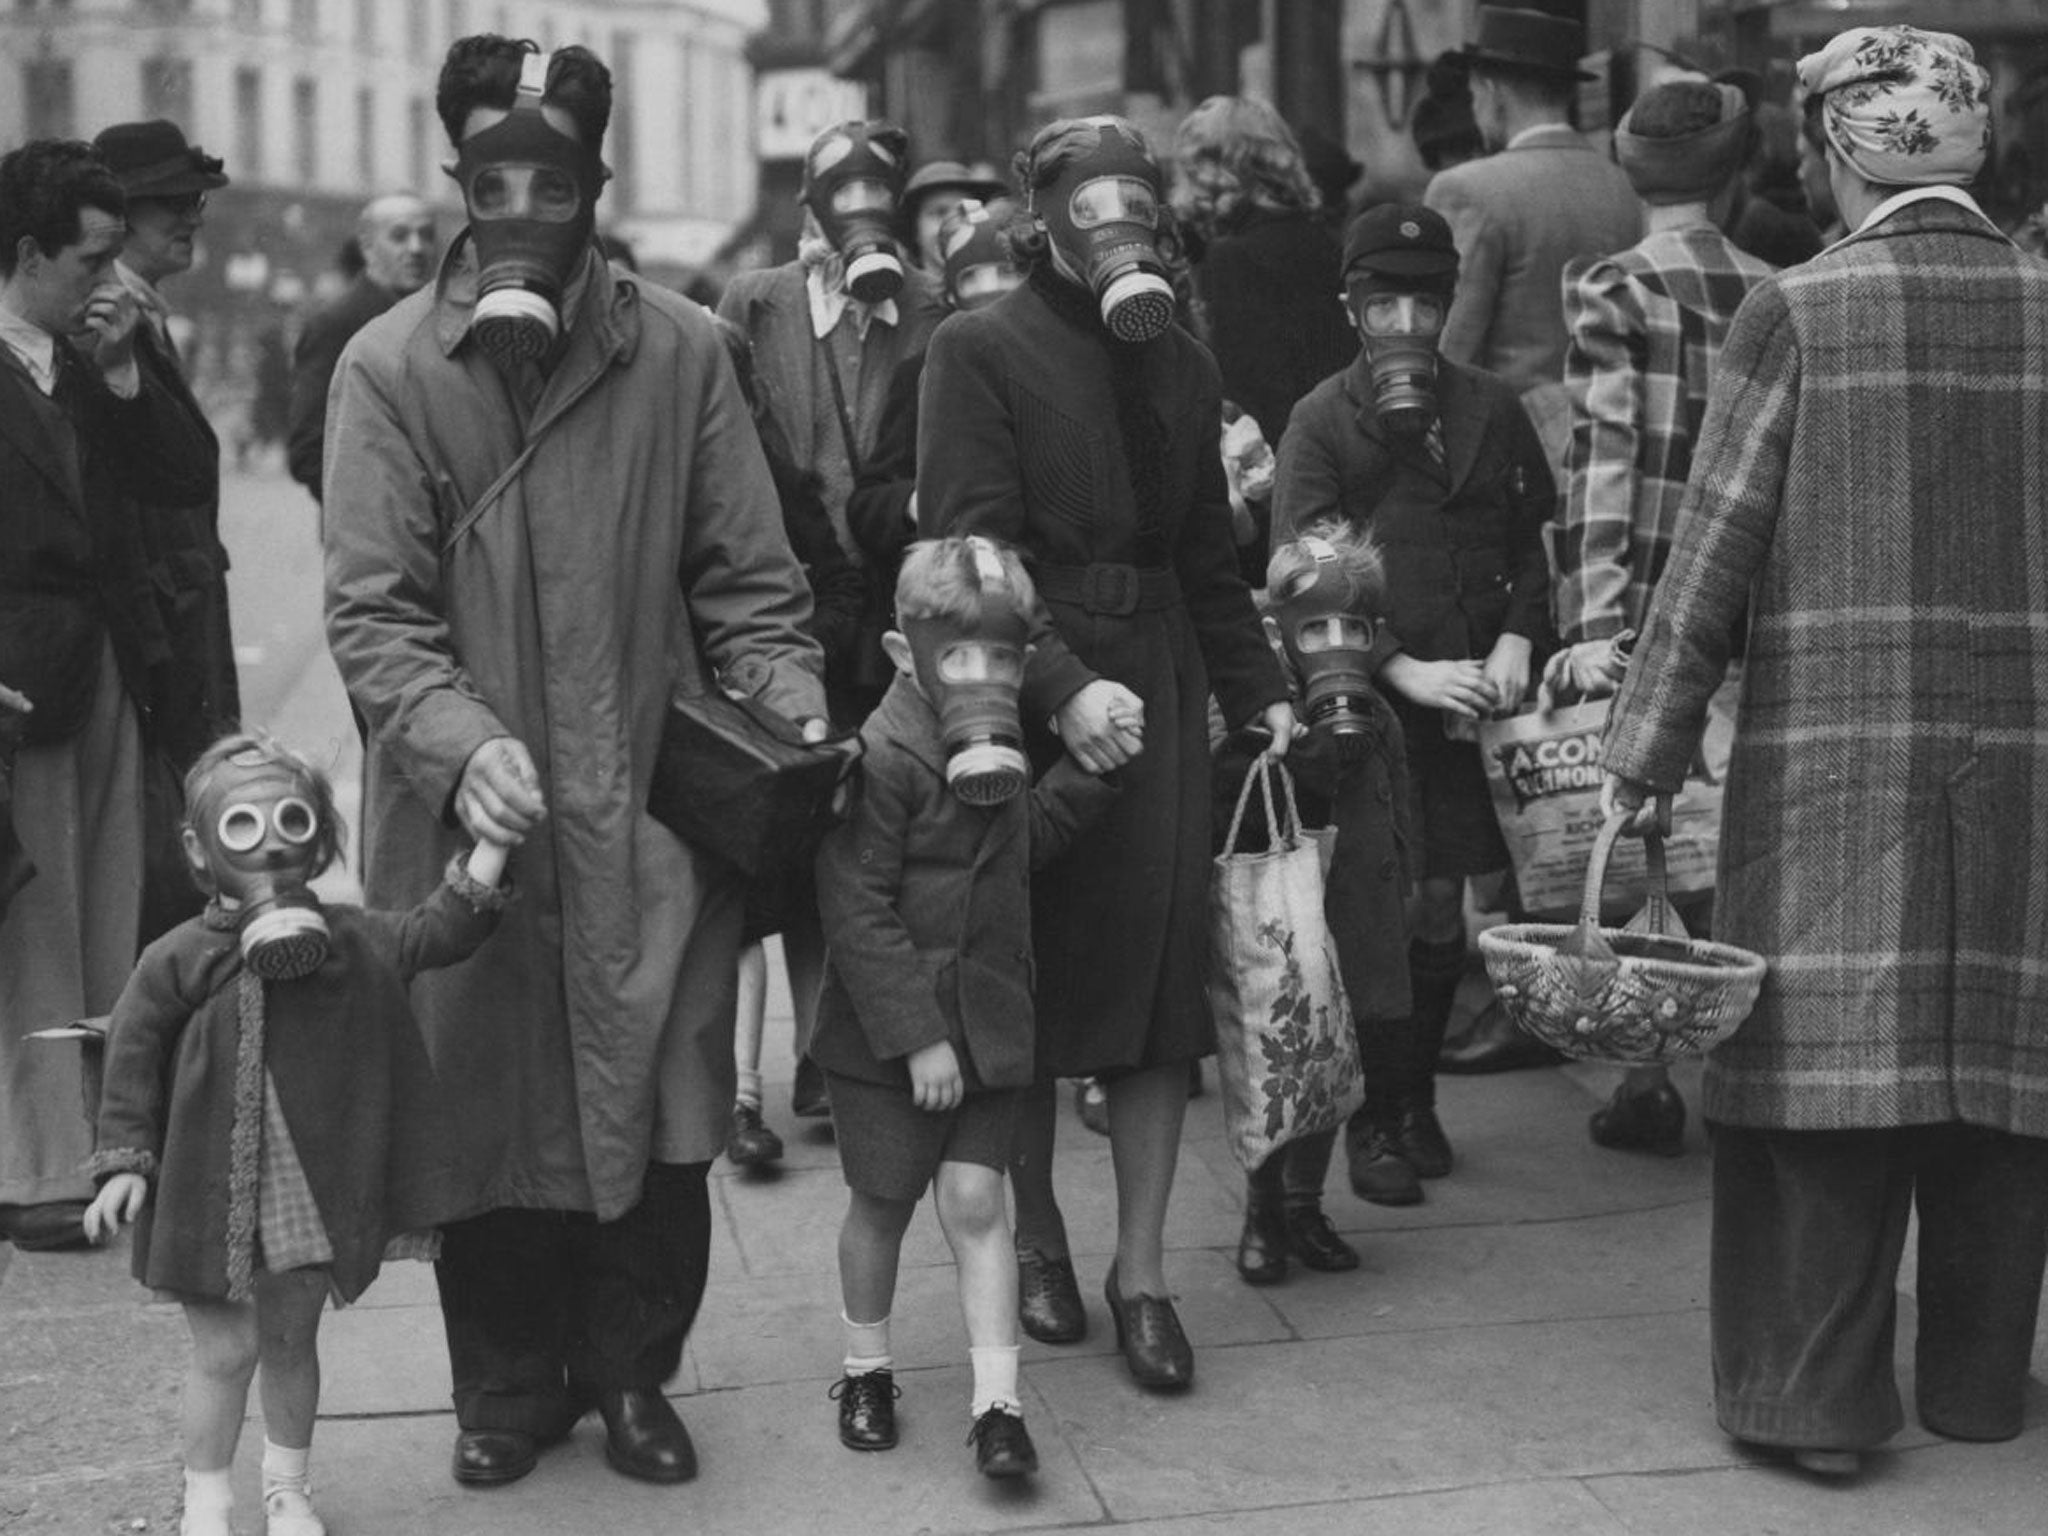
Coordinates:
51 1227
1379 1172
1496 1044
1002 1445
807 1096
487 1456
867 1409
1641 1122
1424 1146
1049 1298
643 1438
1312 1239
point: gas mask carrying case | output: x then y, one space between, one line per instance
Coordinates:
736 780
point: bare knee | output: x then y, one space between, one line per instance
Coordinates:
878 1219
970 1200
225 1340
288 1316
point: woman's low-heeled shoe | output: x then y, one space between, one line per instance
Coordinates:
1049 1298
1148 1331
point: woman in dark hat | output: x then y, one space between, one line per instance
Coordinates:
934 192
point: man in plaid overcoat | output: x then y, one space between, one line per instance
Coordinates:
1870 480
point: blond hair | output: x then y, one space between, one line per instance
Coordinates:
943 578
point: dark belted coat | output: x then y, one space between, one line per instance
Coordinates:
1019 439
639 549
927 907
1872 480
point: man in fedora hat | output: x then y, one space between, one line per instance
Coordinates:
193 694
1520 214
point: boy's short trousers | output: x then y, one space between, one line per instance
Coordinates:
889 1148
1450 807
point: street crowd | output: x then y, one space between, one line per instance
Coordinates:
1076 495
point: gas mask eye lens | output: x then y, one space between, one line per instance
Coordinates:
240 828
490 193
294 820
979 664
861 197
1114 199
1337 632
554 195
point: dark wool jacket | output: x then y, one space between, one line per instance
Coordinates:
313 363
1023 437
927 907
1463 540
353 1078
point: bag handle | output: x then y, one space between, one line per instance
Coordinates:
1262 769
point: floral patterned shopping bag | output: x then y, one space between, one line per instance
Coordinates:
1285 1047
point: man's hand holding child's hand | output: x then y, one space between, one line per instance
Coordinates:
935 1081
119 1201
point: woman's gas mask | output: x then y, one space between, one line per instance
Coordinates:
853 178
971 669
1101 216
259 828
531 190
1322 603
1400 328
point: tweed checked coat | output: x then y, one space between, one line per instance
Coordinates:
1646 326
1874 470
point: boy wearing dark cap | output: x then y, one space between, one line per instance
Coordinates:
1439 464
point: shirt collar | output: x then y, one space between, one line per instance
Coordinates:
1537 131
830 302
36 348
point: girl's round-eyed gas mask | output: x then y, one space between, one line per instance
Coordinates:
255 830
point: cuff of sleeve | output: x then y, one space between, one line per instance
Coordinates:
481 897
104 1164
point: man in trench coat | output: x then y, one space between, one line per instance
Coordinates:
530 548
1869 483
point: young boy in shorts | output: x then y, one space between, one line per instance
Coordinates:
924 1030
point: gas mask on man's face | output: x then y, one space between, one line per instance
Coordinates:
1327 632
531 191
1101 215
971 670
851 184
1400 329
258 832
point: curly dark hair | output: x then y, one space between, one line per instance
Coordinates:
483 71
44 185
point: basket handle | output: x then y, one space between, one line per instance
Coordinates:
1585 941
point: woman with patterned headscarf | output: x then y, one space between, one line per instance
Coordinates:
1868 485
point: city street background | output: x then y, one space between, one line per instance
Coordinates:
1524 1354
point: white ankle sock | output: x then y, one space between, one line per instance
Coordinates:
209 1498
749 1090
867 1346
285 1467
995 1378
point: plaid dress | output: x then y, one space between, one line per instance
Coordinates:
1872 480
1646 326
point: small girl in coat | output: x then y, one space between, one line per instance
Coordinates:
925 1030
268 1119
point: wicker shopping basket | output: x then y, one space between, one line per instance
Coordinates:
1636 995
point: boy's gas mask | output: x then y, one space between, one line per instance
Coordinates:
1400 328
1101 215
971 671
1323 615
257 832
978 268
853 177
531 191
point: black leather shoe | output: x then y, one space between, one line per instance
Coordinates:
1262 1245
1148 1331
807 1098
750 1143
1379 1172
643 1438
487 1456
867 1410
1313 1240
54 1226
1002 1445
1421 1140
1049 1298
1641 1122
1496 1044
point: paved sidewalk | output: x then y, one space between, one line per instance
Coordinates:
1524 1353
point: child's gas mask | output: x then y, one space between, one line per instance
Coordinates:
1323 611
971 671
1400 329
1101 216
531 191
978 269
255 834
853 177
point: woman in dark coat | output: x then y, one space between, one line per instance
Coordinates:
1269 301
1098 458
